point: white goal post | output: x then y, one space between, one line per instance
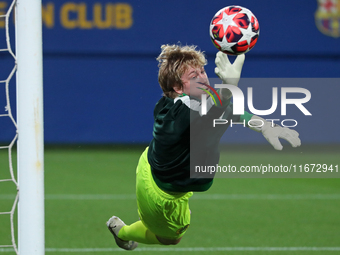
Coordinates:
31 216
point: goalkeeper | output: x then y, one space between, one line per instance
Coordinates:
163 183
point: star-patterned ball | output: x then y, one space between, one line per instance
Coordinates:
234 30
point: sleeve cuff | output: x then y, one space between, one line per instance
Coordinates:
246 116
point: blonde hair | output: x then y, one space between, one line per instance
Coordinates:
173 61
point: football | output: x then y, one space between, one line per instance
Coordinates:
234 30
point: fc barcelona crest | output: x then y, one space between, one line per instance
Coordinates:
327 17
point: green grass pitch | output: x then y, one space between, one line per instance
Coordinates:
86 186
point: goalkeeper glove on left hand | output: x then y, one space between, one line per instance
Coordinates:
272 133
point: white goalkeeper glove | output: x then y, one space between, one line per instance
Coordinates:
272 133
229 73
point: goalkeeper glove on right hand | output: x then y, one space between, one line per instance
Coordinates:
229 73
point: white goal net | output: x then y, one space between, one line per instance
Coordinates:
7 175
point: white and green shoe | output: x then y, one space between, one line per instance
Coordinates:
114 224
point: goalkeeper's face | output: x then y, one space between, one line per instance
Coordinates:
194 80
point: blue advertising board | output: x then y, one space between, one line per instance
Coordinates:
100 68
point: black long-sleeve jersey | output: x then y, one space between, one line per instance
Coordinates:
183 139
